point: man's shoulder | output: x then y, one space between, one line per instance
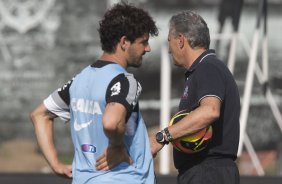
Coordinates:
212 64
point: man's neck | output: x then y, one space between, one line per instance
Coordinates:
193 55
114 58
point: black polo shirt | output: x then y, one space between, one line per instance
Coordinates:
208 76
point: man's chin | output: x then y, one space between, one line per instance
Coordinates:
176 64
136 65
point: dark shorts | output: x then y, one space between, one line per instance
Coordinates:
215 171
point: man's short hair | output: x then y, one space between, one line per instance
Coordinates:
193 26
124 20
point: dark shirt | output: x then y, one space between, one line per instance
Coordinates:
208 76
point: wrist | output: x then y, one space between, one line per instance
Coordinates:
55 166
116 144
168 135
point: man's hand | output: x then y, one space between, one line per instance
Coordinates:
112 156
63 170
43 121
155 146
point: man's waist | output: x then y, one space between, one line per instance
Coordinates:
217 159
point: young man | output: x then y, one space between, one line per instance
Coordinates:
101 104
211 96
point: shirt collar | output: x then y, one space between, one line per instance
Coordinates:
101 63
198 61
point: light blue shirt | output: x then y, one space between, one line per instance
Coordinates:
87 105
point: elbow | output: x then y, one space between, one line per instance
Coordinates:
37 114
214 114
113 125
33 115
109 124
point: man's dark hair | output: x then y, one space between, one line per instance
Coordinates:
124 20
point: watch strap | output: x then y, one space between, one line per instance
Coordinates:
165 141
169 137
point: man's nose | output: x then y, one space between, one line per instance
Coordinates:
148 48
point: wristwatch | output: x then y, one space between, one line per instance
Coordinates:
160 137
168 136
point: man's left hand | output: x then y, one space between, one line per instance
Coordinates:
112 156
155 146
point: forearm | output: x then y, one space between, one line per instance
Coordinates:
46 143
43 125
201 117
190 124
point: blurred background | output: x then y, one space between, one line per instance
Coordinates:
44 43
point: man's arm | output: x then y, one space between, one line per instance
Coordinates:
121 96
42 120
114 123
114 128
201 117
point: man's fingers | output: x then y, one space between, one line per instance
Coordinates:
102 163
130 162
109 158
69 171
102 166
100 158
64 170
105 166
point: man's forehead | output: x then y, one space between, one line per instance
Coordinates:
146 36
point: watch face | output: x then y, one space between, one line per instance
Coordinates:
159 137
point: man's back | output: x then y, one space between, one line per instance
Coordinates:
88 94
110 138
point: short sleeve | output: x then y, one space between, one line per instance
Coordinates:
55 104
58 102
210 82
63 92
124 89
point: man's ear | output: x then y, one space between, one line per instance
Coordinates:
181 40
123 43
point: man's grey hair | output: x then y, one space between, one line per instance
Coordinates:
193 26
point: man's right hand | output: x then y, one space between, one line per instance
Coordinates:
63 170
43 121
